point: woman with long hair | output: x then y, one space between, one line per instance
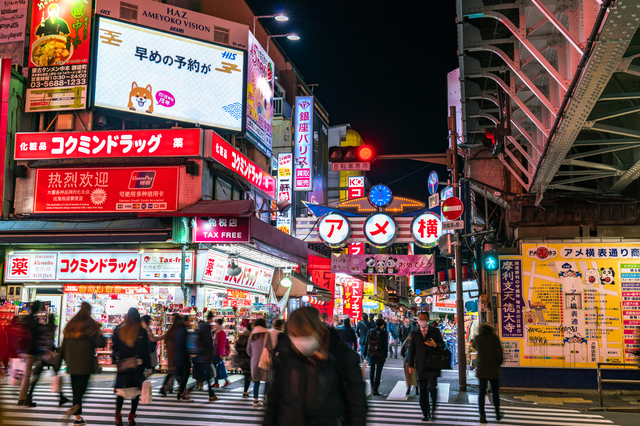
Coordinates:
131 344
178 360
82 336
260 339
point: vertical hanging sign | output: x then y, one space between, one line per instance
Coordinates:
355 190
285 163
303 147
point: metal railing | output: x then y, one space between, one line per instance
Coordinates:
618 381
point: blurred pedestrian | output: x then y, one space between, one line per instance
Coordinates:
325 319
278 328
335 321
362 330
50 358
202 370
392 328
348 334
178 360
221 350
243 358
316 378
153 343
259 340
405 329
372 322
409 377
82 336
131 343
424 340
376 348
28 340
490 357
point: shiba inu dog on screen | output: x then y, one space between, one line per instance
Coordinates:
141 98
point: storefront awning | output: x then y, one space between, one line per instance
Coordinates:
213 208
104 231
271 240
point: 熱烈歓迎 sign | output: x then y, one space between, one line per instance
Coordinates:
109 144
382 264
222 230
239 163
98 266
106 189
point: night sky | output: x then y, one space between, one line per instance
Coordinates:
380 66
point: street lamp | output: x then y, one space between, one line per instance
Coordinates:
290 36
280 17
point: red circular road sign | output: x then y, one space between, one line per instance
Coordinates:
452 208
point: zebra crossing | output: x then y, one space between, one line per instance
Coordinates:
232 409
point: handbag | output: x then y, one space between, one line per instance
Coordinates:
56 382
440 359
127 365
146 393
16 371
265 358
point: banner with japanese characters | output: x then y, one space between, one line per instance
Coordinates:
352 294
218 230
283 200
580 303
230 272
382 264
260 78
98 266
150 73
109 144
303 144
106 189
59 55
13 23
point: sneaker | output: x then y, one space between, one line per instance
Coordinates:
256 404
213 398
245 395
80 422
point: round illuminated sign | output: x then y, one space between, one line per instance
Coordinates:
380 196
433 182
428 299
426 228
380 229
418 299
334 229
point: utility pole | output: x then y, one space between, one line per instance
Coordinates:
462 360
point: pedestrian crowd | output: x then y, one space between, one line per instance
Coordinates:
312 368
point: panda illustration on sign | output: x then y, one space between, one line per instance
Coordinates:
391 266
607 276
370 266
592 276
381 265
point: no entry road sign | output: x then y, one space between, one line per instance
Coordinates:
452 208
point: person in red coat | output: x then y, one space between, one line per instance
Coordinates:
221 349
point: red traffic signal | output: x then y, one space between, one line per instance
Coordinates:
351 154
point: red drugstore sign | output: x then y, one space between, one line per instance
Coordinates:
353 298
111 144
234 160
107 289
222 230
303 148
238 294
106 190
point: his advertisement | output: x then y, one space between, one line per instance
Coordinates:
154 74
579 303
13 22
260 72
59 55
106 190
382 264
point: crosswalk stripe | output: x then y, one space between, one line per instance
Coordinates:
443 392
399 392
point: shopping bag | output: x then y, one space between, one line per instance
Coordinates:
265 358
56 384
364 368
16 371
146 395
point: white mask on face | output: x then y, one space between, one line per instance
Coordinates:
423 323
306 345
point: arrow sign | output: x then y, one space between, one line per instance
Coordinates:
452 208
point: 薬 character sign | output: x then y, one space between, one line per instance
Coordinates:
380 229
426 228
334 229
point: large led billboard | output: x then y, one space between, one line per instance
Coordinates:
156 74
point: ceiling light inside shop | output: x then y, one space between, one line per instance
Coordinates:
255 255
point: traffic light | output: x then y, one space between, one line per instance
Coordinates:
351 154
490 255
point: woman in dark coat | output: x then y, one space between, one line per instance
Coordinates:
131 344
243 358
316 377
178 360
202 370
424 340
82 336
490 357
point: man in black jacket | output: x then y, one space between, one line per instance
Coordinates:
31 356
362 330
424 340
405 329
376 348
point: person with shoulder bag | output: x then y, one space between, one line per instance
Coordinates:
131 349
222 348
259 349
425 342
490 357
82 336
376 348
178 360
243 359
202 370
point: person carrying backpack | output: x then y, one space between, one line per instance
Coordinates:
376 348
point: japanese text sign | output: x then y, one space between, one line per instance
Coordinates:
355 189
109 144
98 266
260 73
234 160
106 190
283 200
382 264
238 294
13 16
107 289
511 299
222 230
352 298
334 229
242 274
426 228
58 55
380 229
303 144
151 73
440 304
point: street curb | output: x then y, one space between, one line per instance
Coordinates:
617 409
569 391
